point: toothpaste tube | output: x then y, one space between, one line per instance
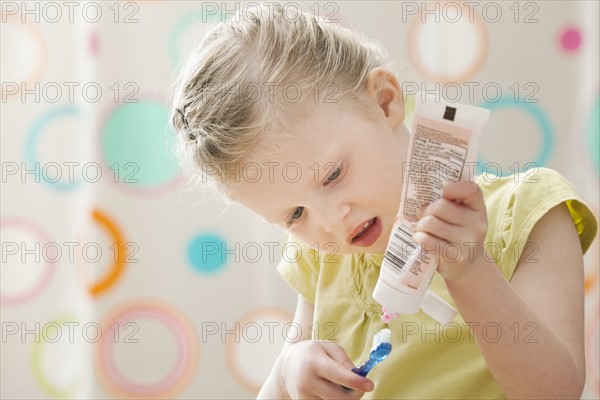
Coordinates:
442 149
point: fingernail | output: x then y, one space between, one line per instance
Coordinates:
416 237
368 386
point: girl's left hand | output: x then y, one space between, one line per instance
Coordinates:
453 228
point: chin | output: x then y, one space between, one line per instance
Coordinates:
381 244
374 248
378 247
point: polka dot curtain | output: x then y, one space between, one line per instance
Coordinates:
119 283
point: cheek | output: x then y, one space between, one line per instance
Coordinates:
382 185
308 235
391 185
314 237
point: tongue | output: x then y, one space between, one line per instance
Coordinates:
359 234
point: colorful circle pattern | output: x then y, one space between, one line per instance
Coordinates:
8 223
34 134
137 142
188 352
542 121
207 253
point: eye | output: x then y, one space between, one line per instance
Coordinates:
334 176
296 215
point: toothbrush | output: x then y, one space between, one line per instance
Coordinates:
382 346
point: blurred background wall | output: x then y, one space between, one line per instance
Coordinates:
116 282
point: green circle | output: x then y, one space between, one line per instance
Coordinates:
137 143
594 135
36 366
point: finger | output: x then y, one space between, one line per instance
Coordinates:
337 353
436 228
448 211
340 375
464 192
429 242
338 369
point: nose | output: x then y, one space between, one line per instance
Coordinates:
332 214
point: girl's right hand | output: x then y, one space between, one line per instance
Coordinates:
321 370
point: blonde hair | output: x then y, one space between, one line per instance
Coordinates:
278 53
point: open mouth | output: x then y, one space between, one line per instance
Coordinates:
368 233
365 227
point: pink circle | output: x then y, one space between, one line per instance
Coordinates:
94 43
37 288
182 355
570 39
176 378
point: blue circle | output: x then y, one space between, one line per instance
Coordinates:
539 116
30 153
207 253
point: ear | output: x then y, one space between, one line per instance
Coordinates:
383 87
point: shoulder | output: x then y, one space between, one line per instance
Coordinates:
517 202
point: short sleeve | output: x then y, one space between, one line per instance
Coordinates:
522 201
300 267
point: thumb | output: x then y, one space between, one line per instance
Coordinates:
346 378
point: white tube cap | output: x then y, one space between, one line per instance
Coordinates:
396 301
437 308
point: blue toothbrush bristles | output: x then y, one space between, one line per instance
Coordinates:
382 346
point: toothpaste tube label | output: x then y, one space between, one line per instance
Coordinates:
408 261
438 156
437 159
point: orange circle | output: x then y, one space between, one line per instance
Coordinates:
431 75
118 267
42 50
232 364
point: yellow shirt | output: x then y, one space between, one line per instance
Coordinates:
428 360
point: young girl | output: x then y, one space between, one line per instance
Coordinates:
300 121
